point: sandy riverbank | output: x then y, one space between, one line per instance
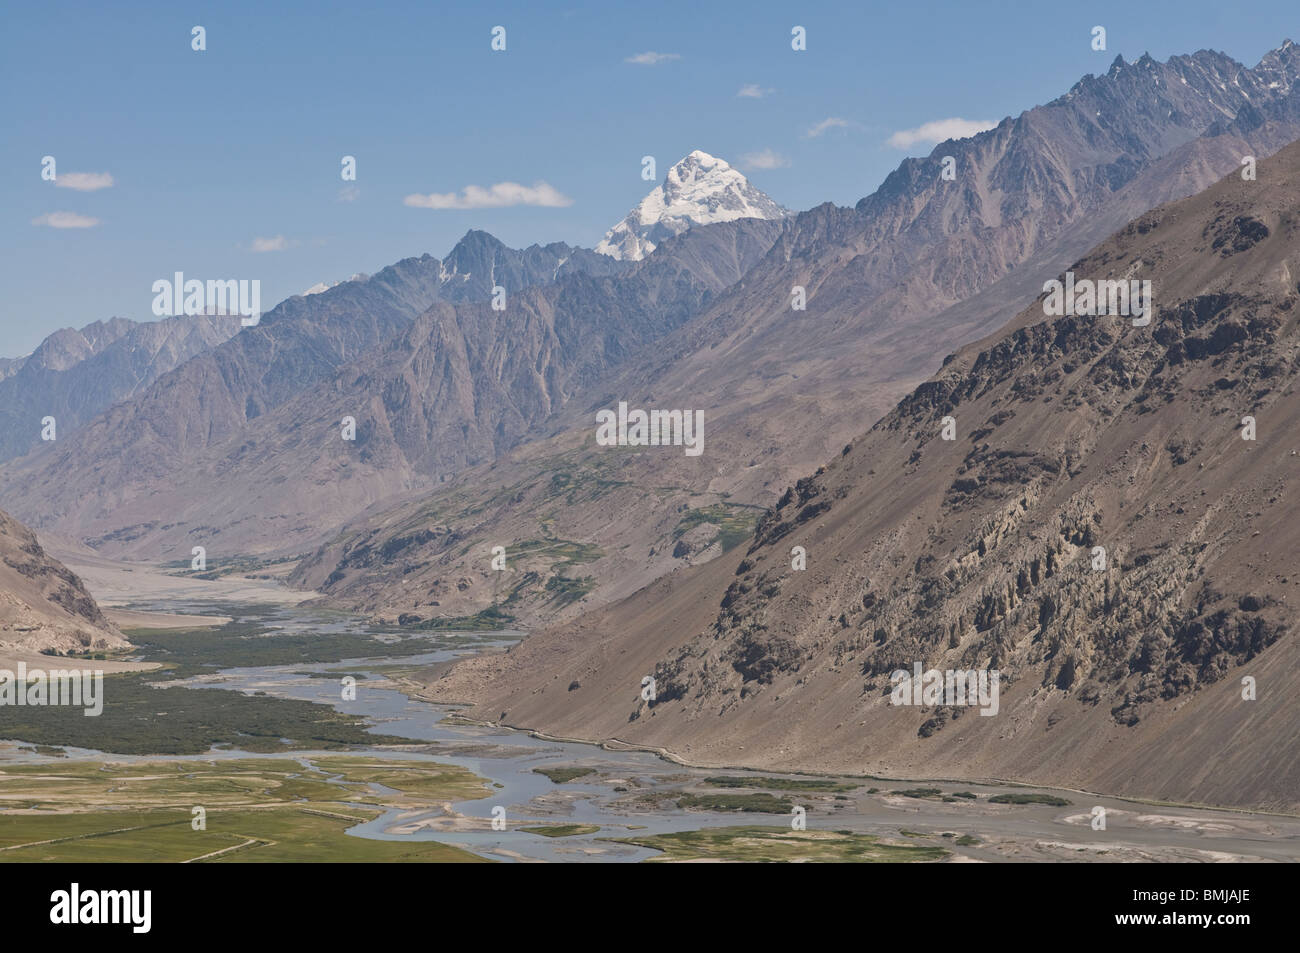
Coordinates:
10 657
116 584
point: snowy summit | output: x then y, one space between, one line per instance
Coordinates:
699 190
321 286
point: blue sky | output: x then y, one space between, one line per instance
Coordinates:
210 152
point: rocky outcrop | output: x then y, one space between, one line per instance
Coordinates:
43 605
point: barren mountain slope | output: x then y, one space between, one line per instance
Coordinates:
1072 433
452 389
782 390
1037 191
153 439
74 375
43 605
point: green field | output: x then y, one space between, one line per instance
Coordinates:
1051 799
256 835
142 720
754 803
561 775
258 809
561 830
249 643
782 784
756 844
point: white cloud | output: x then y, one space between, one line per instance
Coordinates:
833 122
767 159
84 181
349 193
278 243
66 220
651 58
753 91
501 195
938 131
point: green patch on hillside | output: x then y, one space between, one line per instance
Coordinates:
567 553
583 477
490 619
575 488
735 522
560 589
565 591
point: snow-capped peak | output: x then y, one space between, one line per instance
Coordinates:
1279 68
699 190
321 286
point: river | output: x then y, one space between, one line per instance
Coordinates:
619 799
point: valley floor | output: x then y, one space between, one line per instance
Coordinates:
429 787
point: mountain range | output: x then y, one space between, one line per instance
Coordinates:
240 445
73 376
1111 529
472 384
913 272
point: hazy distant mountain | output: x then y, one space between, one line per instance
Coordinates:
74 375
43 605
244 445
297 343
698 190
912 273
211 398
1073 433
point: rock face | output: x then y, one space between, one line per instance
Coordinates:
43 605
1098 531
74 375
698 190
915 271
